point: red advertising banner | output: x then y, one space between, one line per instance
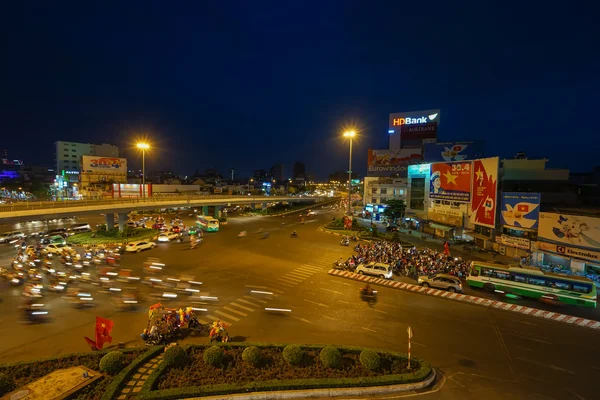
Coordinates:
451 181
485 189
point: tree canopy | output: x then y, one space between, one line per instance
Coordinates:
395 209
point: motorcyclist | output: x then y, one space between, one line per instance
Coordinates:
294 234
367 290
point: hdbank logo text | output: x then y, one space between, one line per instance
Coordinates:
413 121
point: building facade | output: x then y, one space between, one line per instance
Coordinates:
68 157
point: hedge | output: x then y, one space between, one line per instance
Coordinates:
119 380
86 238
291 384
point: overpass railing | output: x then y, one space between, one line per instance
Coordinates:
49 205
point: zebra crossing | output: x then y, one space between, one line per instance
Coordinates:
244 306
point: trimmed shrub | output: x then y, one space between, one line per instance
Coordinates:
175 356
331 357
252 355
370 359
112 363
293 354
213 356
7 384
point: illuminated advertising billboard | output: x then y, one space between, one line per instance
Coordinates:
392 162
452 151
520 209
413 127
570 229
101 165
484 194
450 181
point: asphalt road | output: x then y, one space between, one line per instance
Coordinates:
481 353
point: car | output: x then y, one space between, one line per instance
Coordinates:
56 248
176 229
381 270
167 236
310 213
132 224
158 225
10 236
139 246
79 228
392 228
441 281
57 231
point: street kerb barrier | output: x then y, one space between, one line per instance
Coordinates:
479 301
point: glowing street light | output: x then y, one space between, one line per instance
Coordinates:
143 146
350 135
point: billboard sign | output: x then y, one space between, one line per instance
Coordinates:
512 241
421 131
445 216
450 181
452 151
484 194
520 209
570 229
112 165
568 251
392 162
415 126
398 120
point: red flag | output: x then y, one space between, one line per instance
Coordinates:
446 249
103 329
91 343
523 208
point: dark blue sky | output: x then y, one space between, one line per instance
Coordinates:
246 84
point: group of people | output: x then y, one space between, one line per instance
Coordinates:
409 261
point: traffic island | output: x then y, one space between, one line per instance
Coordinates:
269 371
113 237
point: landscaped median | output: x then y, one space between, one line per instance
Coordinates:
113 237
255 369
480 301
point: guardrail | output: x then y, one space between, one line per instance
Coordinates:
50 205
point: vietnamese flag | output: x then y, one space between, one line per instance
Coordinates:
523 208
103 330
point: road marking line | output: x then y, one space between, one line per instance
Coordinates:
300 275
291 278
332 291
278 291
331 318
234 311
212 317
554 367
379 311
250 303
319 304
287 285
256 287
242 307
301 319
367 329
227 315
418 344
526 337
342 301
341 283
309 268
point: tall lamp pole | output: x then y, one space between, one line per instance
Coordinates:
350 135
143 146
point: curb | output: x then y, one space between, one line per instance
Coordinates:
331 392
479 301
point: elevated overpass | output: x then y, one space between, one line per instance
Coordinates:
56 209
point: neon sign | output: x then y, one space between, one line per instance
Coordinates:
413 121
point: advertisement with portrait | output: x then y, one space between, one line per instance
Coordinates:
392 162
102 165
520 209
451 181
570 229
452 151
484 194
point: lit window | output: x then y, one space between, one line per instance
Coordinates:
374 190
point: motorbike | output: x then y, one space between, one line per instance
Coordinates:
220 337
195 325
354 239
370 297
242 234
293 235
345 242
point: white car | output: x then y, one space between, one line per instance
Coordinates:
56 248
167 236
139 246
380 270
310 213
10 236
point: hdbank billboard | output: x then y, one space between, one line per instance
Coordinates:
413 126
392 162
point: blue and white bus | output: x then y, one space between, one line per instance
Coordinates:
208 224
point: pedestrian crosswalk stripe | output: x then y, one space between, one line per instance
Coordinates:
286 285
227 315
310 268
242 307
278 291
291 278
202 321
213 318
250 302
300 274
289 281
235 311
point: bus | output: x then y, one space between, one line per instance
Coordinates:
208 224
533 282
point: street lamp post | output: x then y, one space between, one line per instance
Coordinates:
250 180
350 135
143 146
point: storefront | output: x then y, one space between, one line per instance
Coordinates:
374 211
440 231
483 236
566 259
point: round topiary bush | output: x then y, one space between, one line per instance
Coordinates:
7 384
112 363
252 355
370 359
175 356
293 354
331 357
213 356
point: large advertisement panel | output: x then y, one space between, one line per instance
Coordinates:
392 162
568 251
452 151
570 229
413 126
484 194
520 209
451 181
101 165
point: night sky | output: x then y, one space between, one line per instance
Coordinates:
246 84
